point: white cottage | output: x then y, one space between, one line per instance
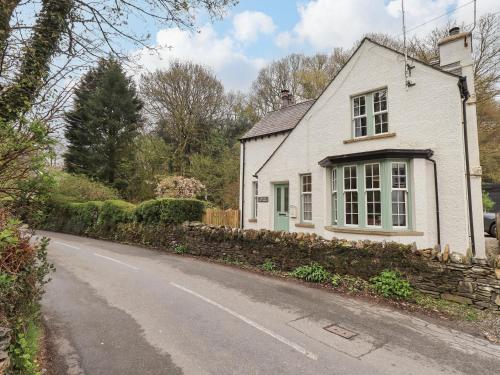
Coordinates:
385 153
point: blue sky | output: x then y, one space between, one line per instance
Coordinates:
256 32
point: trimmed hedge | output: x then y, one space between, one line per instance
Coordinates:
169 211
99 218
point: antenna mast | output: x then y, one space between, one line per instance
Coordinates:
408 67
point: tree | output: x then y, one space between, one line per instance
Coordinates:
185 102
37 57
305 76
103 124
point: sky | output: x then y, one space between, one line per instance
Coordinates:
256 32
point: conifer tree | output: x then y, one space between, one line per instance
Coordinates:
102 124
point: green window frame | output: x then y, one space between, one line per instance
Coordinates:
372 200
306 198
255 193
370 113
335 202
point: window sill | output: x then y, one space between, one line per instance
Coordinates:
374 232
304 225
369 138
252 220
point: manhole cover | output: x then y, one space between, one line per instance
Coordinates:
333 328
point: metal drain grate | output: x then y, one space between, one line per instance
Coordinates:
342 332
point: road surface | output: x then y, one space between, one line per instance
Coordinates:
116 309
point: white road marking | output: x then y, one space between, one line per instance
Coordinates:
250 322
65 244
116 261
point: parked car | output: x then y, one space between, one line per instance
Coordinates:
490 225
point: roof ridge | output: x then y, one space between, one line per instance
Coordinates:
290 105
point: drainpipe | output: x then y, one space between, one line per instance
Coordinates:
464 94
436 193
242 184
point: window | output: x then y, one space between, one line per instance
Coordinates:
255 193
380 111
351 195
372 195
399 195
306 196
335 214
370 114
359 116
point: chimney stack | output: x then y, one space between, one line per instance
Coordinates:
286 98
455 52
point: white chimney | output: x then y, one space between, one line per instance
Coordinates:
455 55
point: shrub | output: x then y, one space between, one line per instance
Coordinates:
179 187
268 265
390 284
80 188
314 273
169 211
180 249
114 212
23 274
488 203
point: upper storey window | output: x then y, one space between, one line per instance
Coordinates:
370 115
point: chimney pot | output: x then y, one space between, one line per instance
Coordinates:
286 98
454 30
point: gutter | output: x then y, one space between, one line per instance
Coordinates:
464 94
436 194
242 184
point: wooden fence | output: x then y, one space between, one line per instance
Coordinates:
216 216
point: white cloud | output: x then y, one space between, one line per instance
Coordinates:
206 47
330 23
284 39
249 24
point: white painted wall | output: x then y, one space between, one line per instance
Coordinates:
427 115
257 151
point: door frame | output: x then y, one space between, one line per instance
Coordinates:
280 184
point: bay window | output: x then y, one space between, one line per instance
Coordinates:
335 214
399 194
351 195
371 194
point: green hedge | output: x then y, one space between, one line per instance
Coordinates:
169 211
97 218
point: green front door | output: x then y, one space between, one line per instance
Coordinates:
281 207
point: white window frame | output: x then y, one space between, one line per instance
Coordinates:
359 116
405 190
302 195
335 198
350 190
255 194
381 112
370 189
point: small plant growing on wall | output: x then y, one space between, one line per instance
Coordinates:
313 272
268 265
390 284
180 249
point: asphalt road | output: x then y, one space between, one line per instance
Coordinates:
116 309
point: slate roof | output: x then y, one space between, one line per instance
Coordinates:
279 121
